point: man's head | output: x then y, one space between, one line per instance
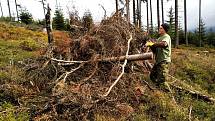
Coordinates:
163 29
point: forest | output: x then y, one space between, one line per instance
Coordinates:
76 69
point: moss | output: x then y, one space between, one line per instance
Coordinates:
11 113
203 111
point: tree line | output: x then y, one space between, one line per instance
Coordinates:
199 37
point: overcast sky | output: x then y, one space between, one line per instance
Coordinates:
35 8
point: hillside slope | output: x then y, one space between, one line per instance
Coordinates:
192 68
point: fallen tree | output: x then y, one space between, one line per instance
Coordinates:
135 57
100 80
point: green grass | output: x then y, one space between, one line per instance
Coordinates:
9 113
16 44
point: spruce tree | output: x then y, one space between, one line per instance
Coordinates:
58 20
202 33
171 23
26 17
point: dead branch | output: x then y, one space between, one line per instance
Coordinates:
190 113
123 69
105 15
195 94
61 83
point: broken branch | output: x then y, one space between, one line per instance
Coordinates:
123 69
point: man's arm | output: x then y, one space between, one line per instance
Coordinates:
161 44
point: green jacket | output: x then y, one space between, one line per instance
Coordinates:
163 54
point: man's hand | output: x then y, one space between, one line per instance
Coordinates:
149 43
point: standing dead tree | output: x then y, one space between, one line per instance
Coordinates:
8 3
48 25
1 10
17 13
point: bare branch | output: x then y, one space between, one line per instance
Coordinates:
123 69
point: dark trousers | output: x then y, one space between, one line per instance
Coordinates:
159 73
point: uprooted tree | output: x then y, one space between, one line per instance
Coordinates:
98 78
94 73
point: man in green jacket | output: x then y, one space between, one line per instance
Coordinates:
162 50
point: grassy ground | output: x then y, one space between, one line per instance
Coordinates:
193 67
16 44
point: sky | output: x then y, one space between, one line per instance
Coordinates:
94 6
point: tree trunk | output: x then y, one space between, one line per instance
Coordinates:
158 14
151 21
176 24
1 10
17 13
48 25
200 39
138 14
147 12
162 11
57 5
135 57
128 11
185 21
117 9
134 12
8 3
44 10
140 21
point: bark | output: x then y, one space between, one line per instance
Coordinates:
200 40
162 11
147 12
44 10
185 21
134 13
17 13
158 14
176 24
8 3
117 9
151 21
135 57
48 25
128 11
139 15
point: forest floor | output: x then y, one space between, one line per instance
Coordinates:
192 68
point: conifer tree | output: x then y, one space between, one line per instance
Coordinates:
26 17
58 20
171 22
202 33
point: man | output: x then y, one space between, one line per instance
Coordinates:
162 50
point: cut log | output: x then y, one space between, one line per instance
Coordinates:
135 57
